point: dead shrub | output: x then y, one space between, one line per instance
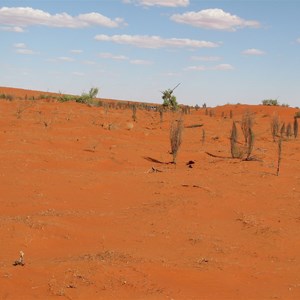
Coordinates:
289 131
176 130
295 127
275 124
235 151
161 115
247 123
279 155
134 113
250 143
282 130
203 136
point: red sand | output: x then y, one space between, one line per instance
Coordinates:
78 197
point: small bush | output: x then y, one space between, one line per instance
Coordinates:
88 98
270 102
7 97
65 98
169 100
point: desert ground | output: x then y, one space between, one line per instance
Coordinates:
91 198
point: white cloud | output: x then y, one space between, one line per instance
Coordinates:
20 17
171 74
21 48
154 42
78 73
253 51
112 56
196 68
140 62
19 45
214 19
11 28
223 67
65 58
166 3
220 67
298 40
99 20
76 51
89 62
206 58
107 55
25 51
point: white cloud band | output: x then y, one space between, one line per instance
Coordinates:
214 19
154 42
17 18
253 51
166 3
220 67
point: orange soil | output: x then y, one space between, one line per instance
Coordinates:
79 199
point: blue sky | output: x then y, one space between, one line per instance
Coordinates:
220 51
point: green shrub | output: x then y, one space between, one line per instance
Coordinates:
87 98
270 102
65 98
169 100
7 97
